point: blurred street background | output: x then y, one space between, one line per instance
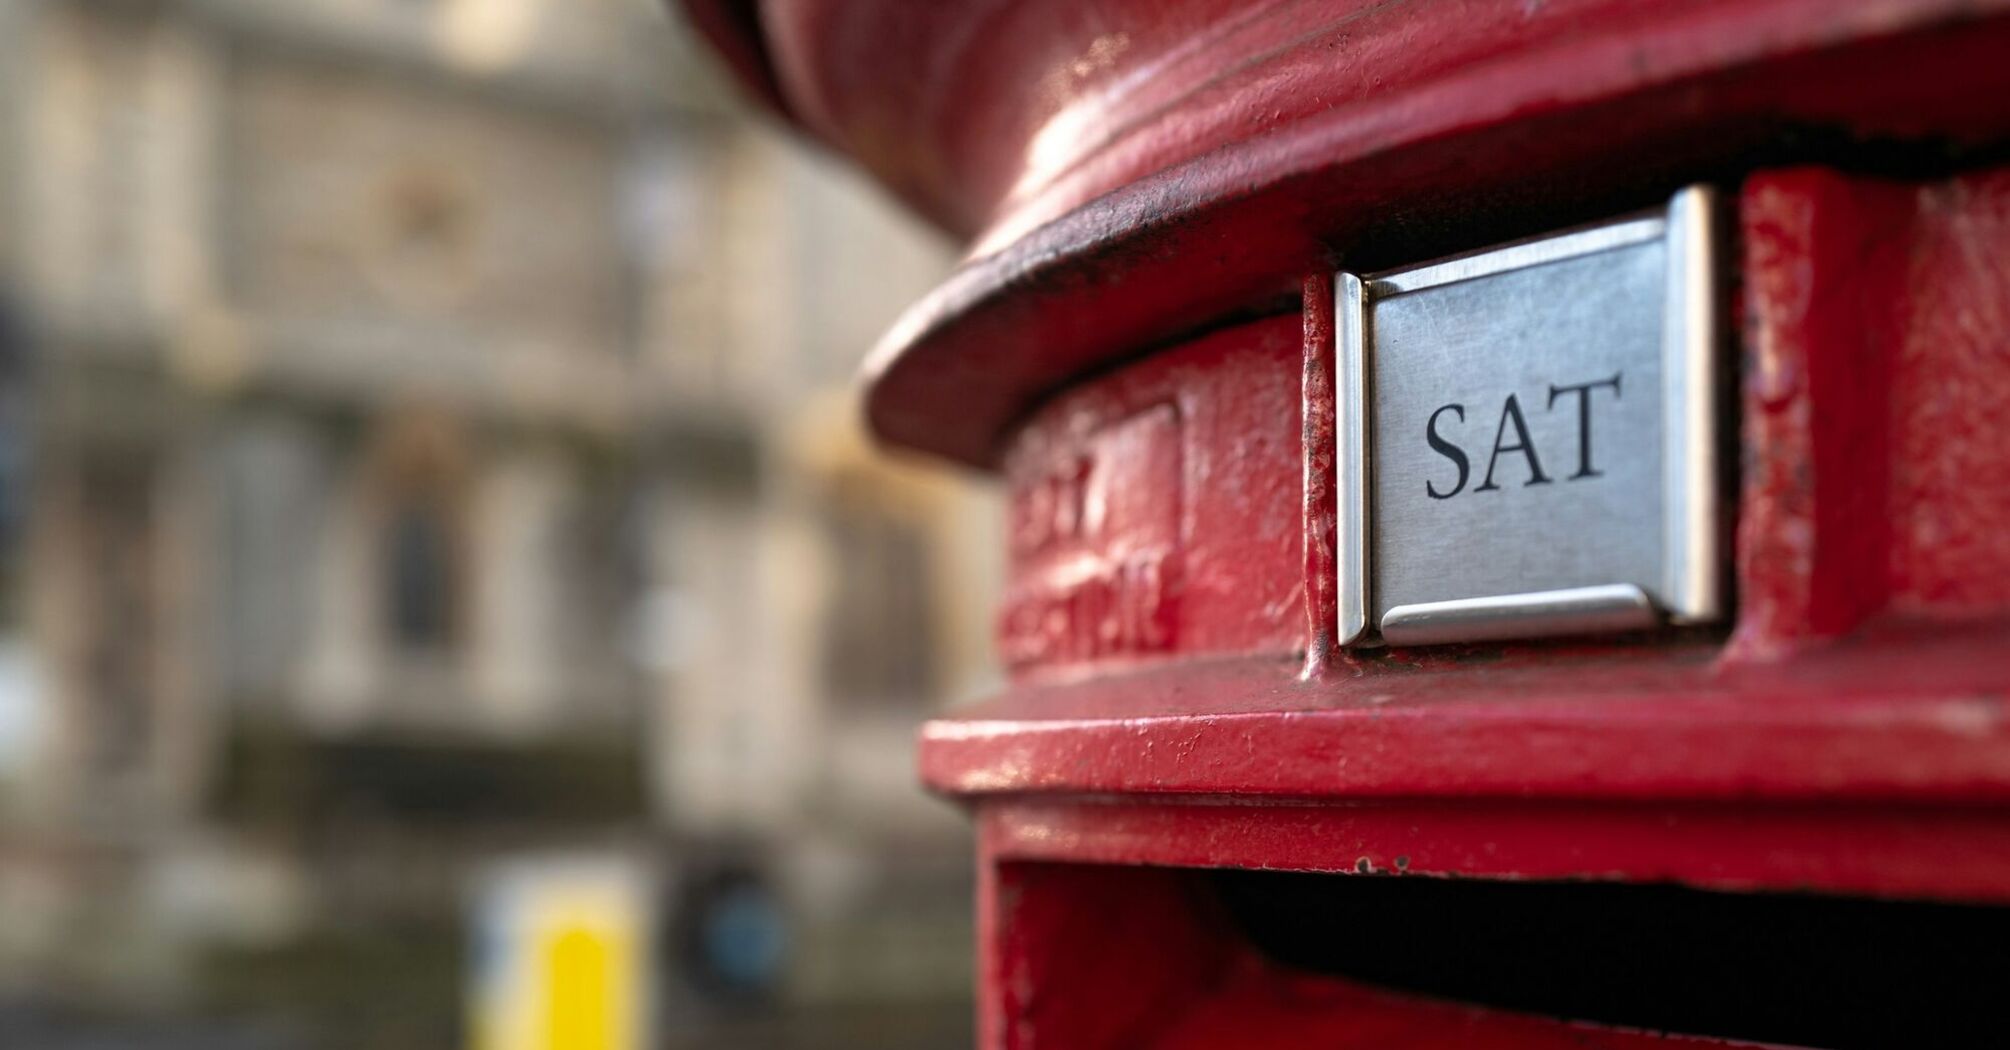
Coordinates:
446 598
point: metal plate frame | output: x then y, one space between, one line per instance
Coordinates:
1690 589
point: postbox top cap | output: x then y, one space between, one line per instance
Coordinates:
1129 174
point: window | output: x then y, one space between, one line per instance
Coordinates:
114 536
417 494
879 639
420 587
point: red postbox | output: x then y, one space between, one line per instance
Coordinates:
1235 794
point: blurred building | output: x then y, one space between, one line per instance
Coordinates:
426 440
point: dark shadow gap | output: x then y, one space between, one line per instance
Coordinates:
1800 969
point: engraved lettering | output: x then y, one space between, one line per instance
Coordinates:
1520 441
1583 392
1511 411
1448 450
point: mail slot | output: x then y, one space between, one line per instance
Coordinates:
1509 515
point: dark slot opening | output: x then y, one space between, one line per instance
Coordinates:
1800 969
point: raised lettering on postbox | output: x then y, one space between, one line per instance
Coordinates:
1095 545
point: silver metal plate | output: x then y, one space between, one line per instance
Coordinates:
1527 437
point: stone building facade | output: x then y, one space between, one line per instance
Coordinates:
436 445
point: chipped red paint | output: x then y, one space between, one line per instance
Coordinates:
1157 195
1914 717
1321 495
1951 852
1878 483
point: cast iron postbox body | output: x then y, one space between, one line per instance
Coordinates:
1165 205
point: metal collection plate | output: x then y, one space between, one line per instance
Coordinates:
1527 436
